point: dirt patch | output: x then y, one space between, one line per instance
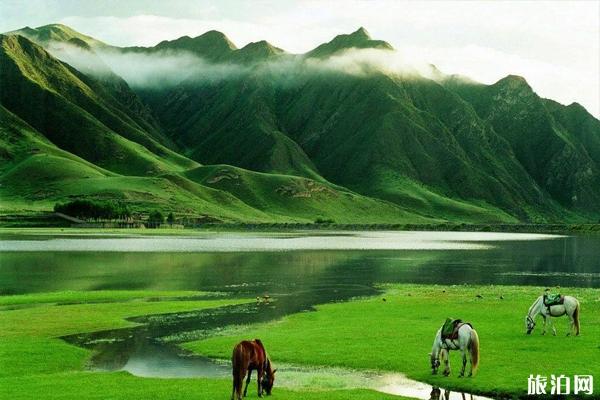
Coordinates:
305 189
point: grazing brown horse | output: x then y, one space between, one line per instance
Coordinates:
248 356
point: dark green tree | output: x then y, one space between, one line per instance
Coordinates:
170 219
156 218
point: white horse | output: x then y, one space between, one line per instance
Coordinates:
467 340
569 307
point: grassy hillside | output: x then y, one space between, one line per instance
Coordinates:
35 174
56 32
307 199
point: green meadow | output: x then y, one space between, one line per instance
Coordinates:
397 334
364 334
36 363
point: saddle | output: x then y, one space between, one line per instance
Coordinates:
553 299
451 327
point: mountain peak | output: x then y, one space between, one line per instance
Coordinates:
257 51
212 45
514 83
216 36
54 26
361 33
359 39
55 32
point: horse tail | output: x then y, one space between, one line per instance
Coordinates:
576 318
474 349
237 364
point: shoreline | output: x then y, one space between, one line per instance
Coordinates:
580 229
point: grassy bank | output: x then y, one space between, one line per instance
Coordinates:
579 229
396 335
37 364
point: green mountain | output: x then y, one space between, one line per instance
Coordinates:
258 134
557 145
66 135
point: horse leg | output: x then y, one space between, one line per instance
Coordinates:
545 324
471 363
553 327
233 390
238 381
571 324
247 382
464 363
445 355
259 377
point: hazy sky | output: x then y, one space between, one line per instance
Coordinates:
555 45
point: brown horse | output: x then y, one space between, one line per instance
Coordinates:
248 356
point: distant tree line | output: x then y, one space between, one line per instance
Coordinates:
94 210
156 219
108 211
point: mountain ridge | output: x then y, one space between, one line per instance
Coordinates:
296 141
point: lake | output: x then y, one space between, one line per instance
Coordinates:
317 264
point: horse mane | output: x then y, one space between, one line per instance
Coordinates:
262 346
258 342
533 305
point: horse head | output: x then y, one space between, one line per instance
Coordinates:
529 324
268 378
435 363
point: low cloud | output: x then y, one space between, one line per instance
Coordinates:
363 62
169 68
166 68
144 69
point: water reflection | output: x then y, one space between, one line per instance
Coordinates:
445 394
553 262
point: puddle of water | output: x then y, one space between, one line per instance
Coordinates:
399 385
164 363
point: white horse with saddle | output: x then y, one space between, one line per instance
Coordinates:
459 336
553 306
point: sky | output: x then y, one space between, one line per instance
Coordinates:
555 45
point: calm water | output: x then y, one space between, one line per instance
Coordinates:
294 263
299 270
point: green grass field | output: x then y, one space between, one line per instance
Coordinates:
396 335
37 364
